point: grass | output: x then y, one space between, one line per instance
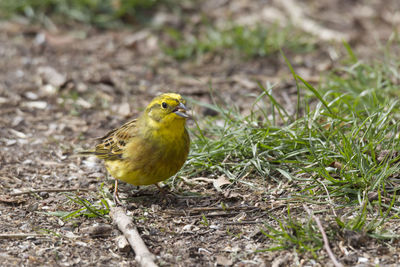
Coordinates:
258 40
97 208
339 155
342 153
291 233
248 41
101 13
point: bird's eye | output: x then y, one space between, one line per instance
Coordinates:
164 105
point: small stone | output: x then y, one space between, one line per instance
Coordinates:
51 76
60 222
40 39
70 235
48 89
9 142
124 109
32 207
18 133
123 244
98 230
82 244
44 194
35 104
224 261
31 96
82 102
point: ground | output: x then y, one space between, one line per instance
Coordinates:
61 89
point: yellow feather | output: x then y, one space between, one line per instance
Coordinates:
151 148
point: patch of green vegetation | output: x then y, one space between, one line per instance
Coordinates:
204 221
49 232
249 41
340 150
232 234
102 13
98 208
294 234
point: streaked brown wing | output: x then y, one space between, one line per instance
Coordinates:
111 146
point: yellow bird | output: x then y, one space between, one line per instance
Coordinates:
149 149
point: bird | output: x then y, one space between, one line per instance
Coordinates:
149 149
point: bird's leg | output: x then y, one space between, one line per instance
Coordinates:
115 195
162 190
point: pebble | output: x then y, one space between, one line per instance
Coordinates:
51 76
44 194
98 230
35 104
123 244
32 207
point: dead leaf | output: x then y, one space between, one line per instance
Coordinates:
224 261
232 195
222 180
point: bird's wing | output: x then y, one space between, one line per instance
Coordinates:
112 145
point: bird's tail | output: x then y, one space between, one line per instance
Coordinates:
83 153
86 152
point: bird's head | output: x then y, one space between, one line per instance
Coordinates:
167 108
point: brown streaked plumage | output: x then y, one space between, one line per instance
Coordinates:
149 149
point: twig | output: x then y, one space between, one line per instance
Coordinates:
31 191
8 200
324 237
11 178
212 214
241 223
329 197
19 235
207 209
196 181
201 209
216 214
143 256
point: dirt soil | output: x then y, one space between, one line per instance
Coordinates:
59 89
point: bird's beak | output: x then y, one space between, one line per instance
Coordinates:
180 110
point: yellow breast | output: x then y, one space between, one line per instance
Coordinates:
153 156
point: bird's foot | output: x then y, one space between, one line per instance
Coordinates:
117 201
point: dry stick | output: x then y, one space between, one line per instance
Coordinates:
48 190
201 209
329 197
241 223
143 256
205 209
324 237
20 235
